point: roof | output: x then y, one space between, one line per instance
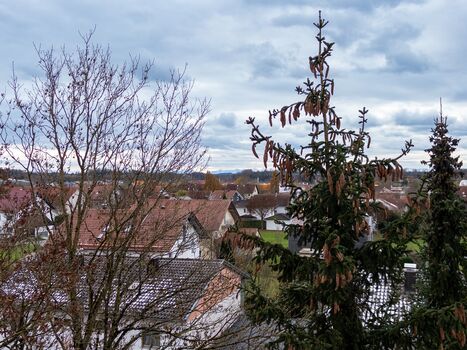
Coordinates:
198 194
241 204
396 200
383 302
223 194
52 194
157 231
276 199
283 199
163 289
210 213
13 199
247 189
279 216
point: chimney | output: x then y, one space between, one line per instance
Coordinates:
410 277
153 266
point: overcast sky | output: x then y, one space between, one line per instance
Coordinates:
397 58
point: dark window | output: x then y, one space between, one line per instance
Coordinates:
151 340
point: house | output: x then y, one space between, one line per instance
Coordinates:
246 190
12 201
273 224
238 242
463 191
97 196
244 335
200 194
215 216
385 300
58 199
164 230
232 195
283 200
392 201
298 246
24 214
161 302
264 205
241 207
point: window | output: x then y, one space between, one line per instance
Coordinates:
103 232
151 340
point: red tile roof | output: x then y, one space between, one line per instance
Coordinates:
156 231
210 213
13 199
52 194
222 194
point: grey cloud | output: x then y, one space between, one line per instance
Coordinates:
224 131
459 92
405 60
264 59
394 43
221 142
364 6
416 122
161 72
224 120
458 128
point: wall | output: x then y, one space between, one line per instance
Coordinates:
188 247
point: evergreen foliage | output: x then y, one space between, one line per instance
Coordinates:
323 298
439 320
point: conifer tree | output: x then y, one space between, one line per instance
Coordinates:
439 319
322 302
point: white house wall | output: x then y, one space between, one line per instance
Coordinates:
271 225
187 247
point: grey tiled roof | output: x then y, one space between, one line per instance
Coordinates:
279 216
383 302
164 289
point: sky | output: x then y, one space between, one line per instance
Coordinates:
396 58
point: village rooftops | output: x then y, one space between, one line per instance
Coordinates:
171 290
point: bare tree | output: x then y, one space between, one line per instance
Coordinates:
113 128
262 205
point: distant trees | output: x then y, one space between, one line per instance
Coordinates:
212 183
323 299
